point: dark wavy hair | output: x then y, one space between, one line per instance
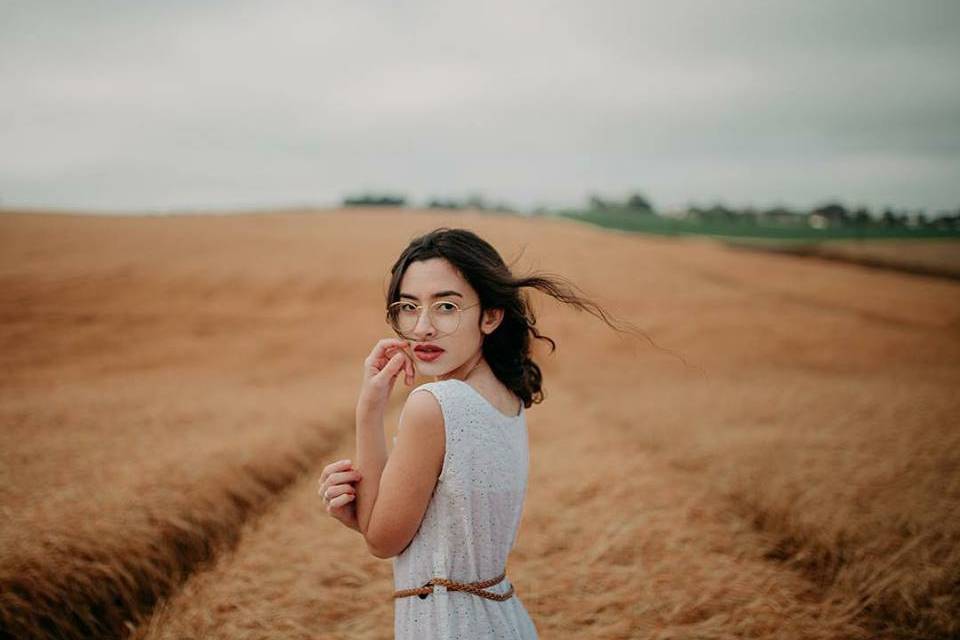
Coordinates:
507 348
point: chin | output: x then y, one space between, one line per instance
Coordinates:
433 369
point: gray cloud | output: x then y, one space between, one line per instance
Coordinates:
182 105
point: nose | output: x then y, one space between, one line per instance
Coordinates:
424 327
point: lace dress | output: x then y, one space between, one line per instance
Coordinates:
470 525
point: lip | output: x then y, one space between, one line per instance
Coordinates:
428 348
426 355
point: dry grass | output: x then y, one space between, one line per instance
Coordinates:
799 480
926 257
936 256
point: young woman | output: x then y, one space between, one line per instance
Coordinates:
446 503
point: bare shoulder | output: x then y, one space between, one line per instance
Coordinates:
422 406
421 434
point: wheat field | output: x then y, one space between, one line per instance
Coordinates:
782 461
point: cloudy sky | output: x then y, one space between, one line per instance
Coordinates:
211 105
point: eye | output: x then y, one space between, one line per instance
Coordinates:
445 307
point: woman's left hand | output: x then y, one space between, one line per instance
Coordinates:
389 357
338 493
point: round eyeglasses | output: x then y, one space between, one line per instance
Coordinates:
444 316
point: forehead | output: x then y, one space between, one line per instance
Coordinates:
423 278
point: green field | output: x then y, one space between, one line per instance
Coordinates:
749 228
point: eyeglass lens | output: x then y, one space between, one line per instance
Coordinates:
444 316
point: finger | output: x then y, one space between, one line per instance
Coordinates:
337 510
339 490
339 465
392 366
344 477
403 348
384 361
408 371
398 345
329 489
341 500
380 349
400 364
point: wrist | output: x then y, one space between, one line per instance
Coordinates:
367 408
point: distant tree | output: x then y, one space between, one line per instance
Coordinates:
476 201
504 207
833 212
637 202
374 200
862 216
946 220
596 203
783 215
719 211
444 204
888 218
891 218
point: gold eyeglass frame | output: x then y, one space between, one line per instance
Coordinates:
420 307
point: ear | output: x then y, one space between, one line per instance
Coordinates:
490 320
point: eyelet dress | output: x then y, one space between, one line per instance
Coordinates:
469 527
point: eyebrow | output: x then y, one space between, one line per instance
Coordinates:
438 294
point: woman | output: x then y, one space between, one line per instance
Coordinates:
447 502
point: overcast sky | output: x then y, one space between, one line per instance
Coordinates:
183 105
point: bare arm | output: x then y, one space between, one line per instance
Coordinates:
397 489
394 491
371 458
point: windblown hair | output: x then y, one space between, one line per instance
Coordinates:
507 348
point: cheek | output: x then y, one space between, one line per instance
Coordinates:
468 343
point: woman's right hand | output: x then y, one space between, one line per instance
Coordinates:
338 493
388 357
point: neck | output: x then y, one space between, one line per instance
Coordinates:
468 366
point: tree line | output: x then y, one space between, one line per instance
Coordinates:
829 214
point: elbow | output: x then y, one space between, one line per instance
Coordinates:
376 549
376 553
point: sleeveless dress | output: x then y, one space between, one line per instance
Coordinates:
470 525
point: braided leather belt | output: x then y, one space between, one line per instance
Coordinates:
476 588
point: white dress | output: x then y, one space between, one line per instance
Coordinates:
470 525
